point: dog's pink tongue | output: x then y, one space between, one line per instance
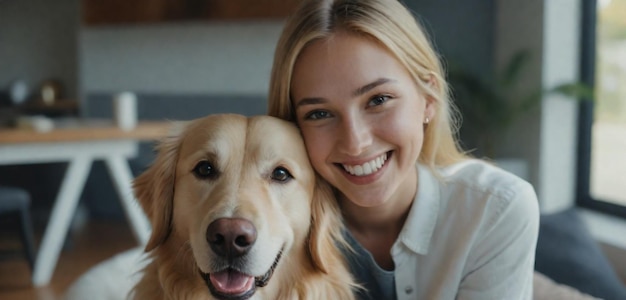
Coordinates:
231 282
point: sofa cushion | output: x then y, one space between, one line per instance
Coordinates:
545 288
568 254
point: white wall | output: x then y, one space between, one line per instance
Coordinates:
559 115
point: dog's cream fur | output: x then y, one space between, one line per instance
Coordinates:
298 216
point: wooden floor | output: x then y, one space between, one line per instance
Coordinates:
92 243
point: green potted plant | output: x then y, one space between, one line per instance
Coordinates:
490 107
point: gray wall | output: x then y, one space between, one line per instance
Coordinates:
519 26
192 57
235 58
547 136
38 41
195 58
462 31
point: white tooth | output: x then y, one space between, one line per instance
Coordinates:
367 169
358 170
349 169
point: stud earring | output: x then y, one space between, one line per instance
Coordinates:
427 120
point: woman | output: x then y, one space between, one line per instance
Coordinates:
424 221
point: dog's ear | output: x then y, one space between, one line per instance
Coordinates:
154 188
326 233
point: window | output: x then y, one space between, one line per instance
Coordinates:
602 132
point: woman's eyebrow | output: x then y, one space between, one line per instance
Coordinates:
310 101
358 92
368 87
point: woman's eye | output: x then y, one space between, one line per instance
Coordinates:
378 100
205 169
281 174
317 115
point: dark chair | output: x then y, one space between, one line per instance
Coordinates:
14 207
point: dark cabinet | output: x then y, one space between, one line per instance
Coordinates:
102 12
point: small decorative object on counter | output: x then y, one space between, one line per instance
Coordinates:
51 92
18 92
125 110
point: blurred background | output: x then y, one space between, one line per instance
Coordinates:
187 58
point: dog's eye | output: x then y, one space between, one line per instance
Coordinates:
204 169
281 174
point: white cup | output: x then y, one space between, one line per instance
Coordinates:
125 110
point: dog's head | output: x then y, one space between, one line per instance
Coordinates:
240 193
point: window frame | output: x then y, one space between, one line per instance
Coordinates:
586 114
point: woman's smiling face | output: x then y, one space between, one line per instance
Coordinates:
361 116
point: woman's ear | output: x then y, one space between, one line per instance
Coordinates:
430 102
429 110
154 189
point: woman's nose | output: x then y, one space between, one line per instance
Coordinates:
355 136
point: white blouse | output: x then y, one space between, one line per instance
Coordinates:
470 234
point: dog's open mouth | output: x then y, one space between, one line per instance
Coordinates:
234 285
230 284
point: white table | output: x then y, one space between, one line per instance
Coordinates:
79 145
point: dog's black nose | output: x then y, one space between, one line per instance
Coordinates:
231 237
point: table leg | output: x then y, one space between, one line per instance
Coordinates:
60 218
122 179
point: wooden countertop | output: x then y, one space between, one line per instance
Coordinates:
85 130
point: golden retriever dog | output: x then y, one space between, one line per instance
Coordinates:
237 212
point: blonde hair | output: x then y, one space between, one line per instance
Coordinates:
389 23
